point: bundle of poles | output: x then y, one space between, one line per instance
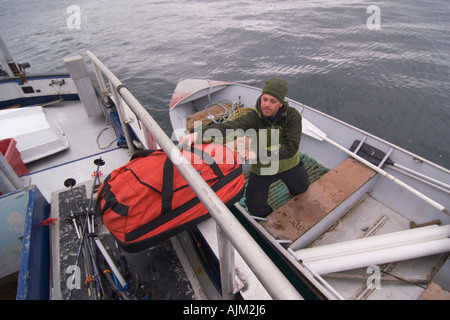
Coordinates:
103 278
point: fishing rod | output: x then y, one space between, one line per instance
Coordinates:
84 249
92 274
87 228
120 288
88 249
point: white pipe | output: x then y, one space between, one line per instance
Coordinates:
110 262
9 181
227 266
316 275
420 175
384 241
6 58
263 267
6 185
364 259
422 178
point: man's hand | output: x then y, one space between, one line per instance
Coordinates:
250 155
189 140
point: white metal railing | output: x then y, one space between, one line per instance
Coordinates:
229 228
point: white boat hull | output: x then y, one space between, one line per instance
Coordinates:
381 205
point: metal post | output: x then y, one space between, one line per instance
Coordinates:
100 80
6 58
121 113
227 270
77 69
9 181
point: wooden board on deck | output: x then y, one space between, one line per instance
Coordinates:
302 212
435 292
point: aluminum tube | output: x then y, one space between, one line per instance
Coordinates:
9 180
6 58
378 257
6 185
110 262
227 269
265 270
384 241
420 175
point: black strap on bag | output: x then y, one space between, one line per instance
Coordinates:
110 200
209 160
142 153
167 187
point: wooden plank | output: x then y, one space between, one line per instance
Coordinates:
301 213
435 292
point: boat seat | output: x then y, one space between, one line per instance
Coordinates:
301 213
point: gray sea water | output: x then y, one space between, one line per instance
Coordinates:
383 66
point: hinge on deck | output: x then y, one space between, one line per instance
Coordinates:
240 283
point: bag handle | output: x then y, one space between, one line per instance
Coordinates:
167 186
209 160
142 153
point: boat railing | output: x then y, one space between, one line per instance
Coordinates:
230 232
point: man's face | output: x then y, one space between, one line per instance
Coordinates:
270 105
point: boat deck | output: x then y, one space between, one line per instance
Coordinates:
162 274
89 139
402 279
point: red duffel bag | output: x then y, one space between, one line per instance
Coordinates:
148 200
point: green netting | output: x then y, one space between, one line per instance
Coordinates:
278 192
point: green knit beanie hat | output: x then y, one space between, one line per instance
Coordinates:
276 88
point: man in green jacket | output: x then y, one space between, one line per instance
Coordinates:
275 130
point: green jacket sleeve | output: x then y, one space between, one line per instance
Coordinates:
291 134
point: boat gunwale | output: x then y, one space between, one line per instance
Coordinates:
321 113
403 153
